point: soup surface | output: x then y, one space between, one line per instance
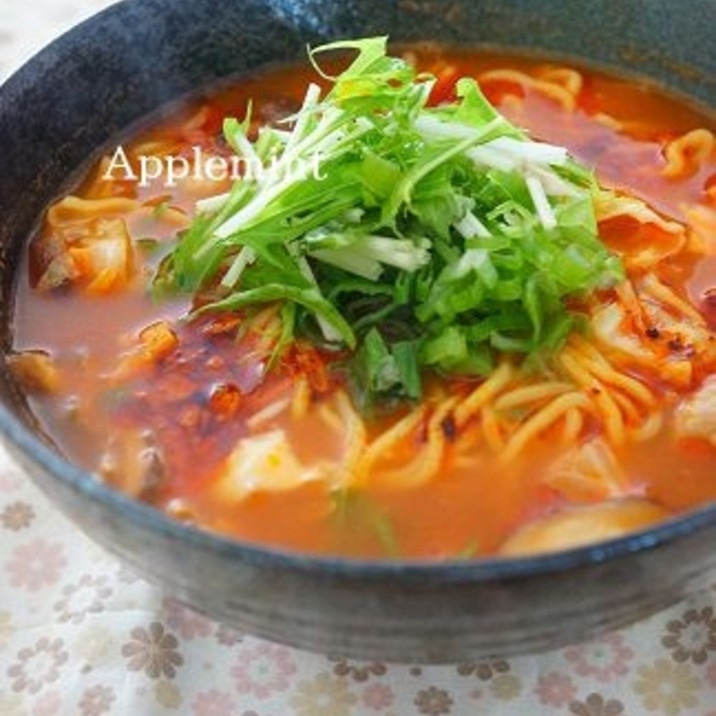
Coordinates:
224 418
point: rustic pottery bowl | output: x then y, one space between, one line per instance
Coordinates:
119 66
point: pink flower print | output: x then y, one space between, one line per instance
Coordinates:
596 705
38 665
377 696
188 623
555 689
323 695
263 669
359 671
228 636
17 516
484 670
603 659
49 704
96 700
35 564
213 703
433 701
84 597
154 651
692 637
667 687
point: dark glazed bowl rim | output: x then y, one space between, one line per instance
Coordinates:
433 571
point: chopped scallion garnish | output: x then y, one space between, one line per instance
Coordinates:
423 237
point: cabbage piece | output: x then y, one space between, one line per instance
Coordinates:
696 415
264 463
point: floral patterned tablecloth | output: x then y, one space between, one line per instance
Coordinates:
82 635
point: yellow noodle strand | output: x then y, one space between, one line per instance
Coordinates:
483 394
629 410
566 77
73 209
649 428
491 429
598 394
428 460
267 325
557 93
573 423
329 416
602 369
265 317
702 224
665 295
198 119
301 398
540 421
466 442
530 394
383 444
506 75
631 304
608 121
554 91
268 413
174 217
155 148
581 344
352 423
687 153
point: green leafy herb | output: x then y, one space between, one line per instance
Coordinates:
421 238
354 510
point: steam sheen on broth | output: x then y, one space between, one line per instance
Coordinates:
221 422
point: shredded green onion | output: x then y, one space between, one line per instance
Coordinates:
429 238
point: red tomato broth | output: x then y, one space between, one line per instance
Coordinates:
468 511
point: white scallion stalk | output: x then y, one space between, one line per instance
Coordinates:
400 253
350 261
487 156
470 226
311 98
330 122
508 154
211 203
244 258
329 332
241 142
331 144
531 152
353 216
554 185
252 209
281 135
474 260
541 202
433 128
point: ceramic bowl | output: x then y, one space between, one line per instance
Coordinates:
122 64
